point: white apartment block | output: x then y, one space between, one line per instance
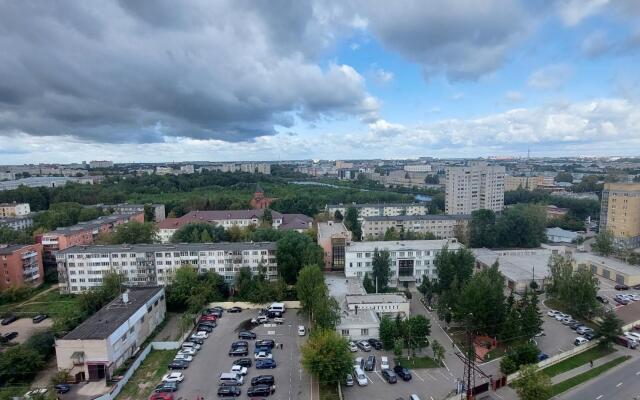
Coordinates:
14 209
17 223
81 267
417 168
441 226
100 164
410 259
382 209
474 187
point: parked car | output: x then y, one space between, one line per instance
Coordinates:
349 380
234 310
602 299
237 369
542 356
200 335
634 297
625 341
402 372
279 321
9 336
560 316
575 325
204 328
262 355
580 341
39 318
389 376
622 301
568 321
375 343
35 392
228 391
239 343
192 339
266 363
269 343
247 335
274 314
212 324
360 376
621 287
161 396
173 377
364 345
370 364
384 362
263 380
239 352
217 313
166 387
552 313
583 329
352 347
301 330
358 362
8 319
187 352
589 335
637 287
208 317
630 336
244 362
62 388
179 364
260 390
260 319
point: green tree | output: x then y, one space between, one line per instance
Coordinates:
397 347
564 177
195 233
134 232
533 384
149 213
294 250
391 234
369 287
352 223
416 330
338 216
512 326
310 287
388 332
19 364
189 291
267 218
381 269
243 283
609 327
531 319
327 313
604 243
577 290
482 229
523 225
438 352
426 288
326 356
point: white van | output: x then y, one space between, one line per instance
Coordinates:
414 397
276 307
361 378
580 340
190 345
231 378
301 330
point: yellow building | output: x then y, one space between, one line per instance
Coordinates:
620 212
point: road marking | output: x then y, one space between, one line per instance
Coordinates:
418 376
445 365
619 384
431 397
499 395
379 376
368 378
432 377
599 397
443 375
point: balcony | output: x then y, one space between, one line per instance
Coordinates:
29 254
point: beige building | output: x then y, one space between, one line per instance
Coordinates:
333 237
102 343
14 209
441 226
474 187
608 268
528 182
620 212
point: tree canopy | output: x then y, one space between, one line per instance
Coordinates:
576 290
200 233
351 223
294 250
522 225
134 232
381 269
326 356
190 291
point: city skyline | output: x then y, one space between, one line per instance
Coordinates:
232 81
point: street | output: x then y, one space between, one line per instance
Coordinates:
623 382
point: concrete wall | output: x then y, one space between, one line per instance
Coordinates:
252 306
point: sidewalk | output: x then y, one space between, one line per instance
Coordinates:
586 367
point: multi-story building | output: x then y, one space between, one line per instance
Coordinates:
126 208
17 223
187 169
441 226
231 218
81 267
81 233
374 210
100 164
95 349
620 213
417 168
44 181
14 209
528 182
333 237
7 176
474 187
410 259
21 265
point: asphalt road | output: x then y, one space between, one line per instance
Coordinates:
621 383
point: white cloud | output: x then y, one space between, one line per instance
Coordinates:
380 75
572 12
550 77
513 96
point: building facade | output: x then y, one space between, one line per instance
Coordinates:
14 209
100 164
333 238
374 210
95 349
17 223
441 226
474 187
620 213
81 267
259 200
159 213
21 266
410 259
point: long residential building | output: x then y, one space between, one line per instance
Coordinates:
410 259
17 223
379 209
21 265
45 181
620 213
473 187
81 267
126 208
441 226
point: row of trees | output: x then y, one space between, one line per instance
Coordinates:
256 288
410 333
313 294
19 364
522 225
578 208
575 290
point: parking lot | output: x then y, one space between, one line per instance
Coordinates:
201 378
25 328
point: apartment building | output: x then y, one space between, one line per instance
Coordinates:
473 187
17 223
14 209
410 259
80 234
100 164
95 349
44 181
374 210
231 218
159 213
21 265
251 168
333 237
441 226
81 267
620 213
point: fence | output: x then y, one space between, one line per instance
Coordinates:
252 306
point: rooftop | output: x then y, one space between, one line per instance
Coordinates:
607 262
295 221
517 265
362 205
403 245
427 217
110 317
11 248
376 298
90 225
329 229
144 248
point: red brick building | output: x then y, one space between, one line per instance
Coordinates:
260 201
21 265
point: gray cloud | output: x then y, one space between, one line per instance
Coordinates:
137 71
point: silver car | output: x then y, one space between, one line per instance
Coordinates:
349 380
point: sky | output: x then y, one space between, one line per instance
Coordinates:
154 81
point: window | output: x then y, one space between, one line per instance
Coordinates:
345 332
364 332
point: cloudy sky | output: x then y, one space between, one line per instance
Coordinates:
138 80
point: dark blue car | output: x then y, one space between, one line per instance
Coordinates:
266 363
62 388
542 356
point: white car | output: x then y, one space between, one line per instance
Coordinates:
173 377
560 316
301 330
552 313
580 341
260 319
352 347
183 357
35 392
263 355
200 335
631 336
237 369
278 320
360 376
635 297
384 362
187 352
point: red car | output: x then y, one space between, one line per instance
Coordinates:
208 318
161 396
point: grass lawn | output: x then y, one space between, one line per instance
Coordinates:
8 393
590 374
147 376
52 303
329 392
417 362
577 360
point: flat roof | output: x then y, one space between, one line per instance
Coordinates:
328 229
426 217
10 249
159 247
629 313
361 205
394 245
110 317
607 262
376 298
93 224
517 266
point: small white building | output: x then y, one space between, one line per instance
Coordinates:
559 235
380 303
